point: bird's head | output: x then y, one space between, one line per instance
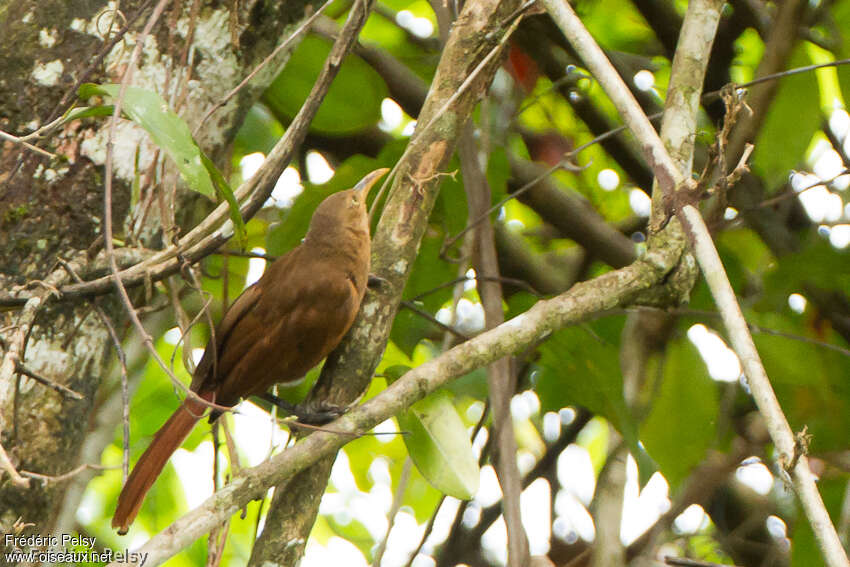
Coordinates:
346 208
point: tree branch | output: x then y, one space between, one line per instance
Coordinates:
584 300
669 178
217 228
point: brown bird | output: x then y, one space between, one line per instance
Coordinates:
275 331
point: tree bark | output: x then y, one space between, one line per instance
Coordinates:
52 209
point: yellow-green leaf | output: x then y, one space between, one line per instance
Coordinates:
168 131
439 445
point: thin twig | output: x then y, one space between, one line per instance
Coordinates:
755 328
685 562
60 388
16 345
217 541
233 453
107 215
183 323
501 378
246 254
94 64
65 476
797 193
122 359
565 164
6 465
788 73
299 31
425 315
194 282
429 527
544 466
186 57
294 424
503 279
16 140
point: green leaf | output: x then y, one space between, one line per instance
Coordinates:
827 77
682 422
580 366
409 328
88 112
439 445
616 25
451 209
473 385
353 101
394 372
498 173
421 497
817 263
519 302
353 531
227 192
168 131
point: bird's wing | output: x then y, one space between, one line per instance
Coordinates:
319 310
209 369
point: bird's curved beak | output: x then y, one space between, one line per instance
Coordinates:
365 184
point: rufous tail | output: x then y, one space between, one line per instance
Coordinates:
169 437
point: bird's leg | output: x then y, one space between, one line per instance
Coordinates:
315 414
281 404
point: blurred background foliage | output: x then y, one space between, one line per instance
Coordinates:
706 485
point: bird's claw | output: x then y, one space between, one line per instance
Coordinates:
320 413
316 413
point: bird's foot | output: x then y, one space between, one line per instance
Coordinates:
320 413
316 413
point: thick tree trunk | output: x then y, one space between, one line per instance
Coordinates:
52 209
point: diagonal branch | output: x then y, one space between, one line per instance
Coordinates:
584 300
669 178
